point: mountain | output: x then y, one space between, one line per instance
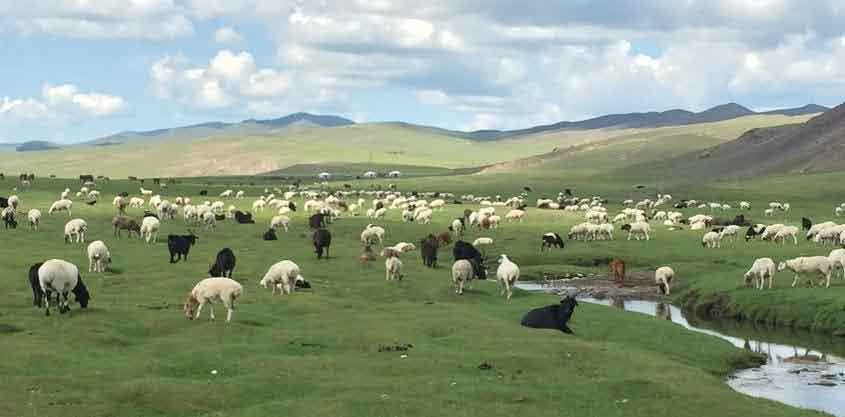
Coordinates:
35 145
675 117
816 145
212 129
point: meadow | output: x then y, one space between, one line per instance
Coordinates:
315 353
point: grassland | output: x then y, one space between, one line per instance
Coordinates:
316 353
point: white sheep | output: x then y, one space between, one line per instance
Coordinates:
482 241
507 274
208 220
136 202
75 231
371 234
210 291
99 256
761 269
787 232
258 205
514 215
462 273
744 205
155 201
663 277
423 217
280 221
730 231
56 275
458 227
226 194
711 240
404 247
282 276
65 194
61 205
769 212
14 201
604 232
820 265
239 194
149 229
393 268
637 230
837 259
34 217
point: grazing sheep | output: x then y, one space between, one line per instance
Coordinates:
555 316
180 245
515 215
744 205
282 276
149 229
730 231
99 256
769 212
482 241
404 247
61 205
243 218
8 215
787 232
819 265
258 205
711 240
464 250
224 264
62 277
617 269
663 277
280 221
761 269
754 231
372 234
551 240
462 273
209 220
13 201
393 268
270 234
239 194
136 202
75 231
837 259
457 227
34 217
210 291
322 240
125 223
507 274
637 230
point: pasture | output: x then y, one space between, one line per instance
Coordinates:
317 352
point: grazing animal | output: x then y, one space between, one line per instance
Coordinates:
754 231
507 274
244 218
761 269
444 238
462 273
322 239
61 205
806 223
149 229
663 277
282 276
428 250
125 223
637 230
224 264
99 257
62 277
270 234
372 234
75 231
317 221
617 269
555 316
818 265
180 245
210 291
34 217
393 268
551 240
464 250
9 218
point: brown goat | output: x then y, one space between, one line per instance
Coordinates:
445 238
617 269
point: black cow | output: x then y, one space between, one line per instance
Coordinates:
555 316
317 221
322 239
806 223
224 264
270 234
244 218
464 250
551 240
428 250
180 245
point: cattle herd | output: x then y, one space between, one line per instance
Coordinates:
637 219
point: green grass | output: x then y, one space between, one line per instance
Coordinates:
316 353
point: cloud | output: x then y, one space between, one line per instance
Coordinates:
59 104
227 35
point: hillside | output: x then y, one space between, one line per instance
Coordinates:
815 146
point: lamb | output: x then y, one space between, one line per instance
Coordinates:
771 231
786 232
62 277
507 274
393 268
282 276
551 240
224 264
462 273
61 205
280 221
146 193
604 231
239 194
210 291
149 229
13 201
423 217
761 269
663 277
75 231
818 227
209 220
711 240
515 215
34 217
99 256
637 230
258 205
820 265
125 223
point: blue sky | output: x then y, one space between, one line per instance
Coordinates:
77 70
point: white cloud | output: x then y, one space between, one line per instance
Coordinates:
227 35
62 103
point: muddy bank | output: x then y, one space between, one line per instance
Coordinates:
637 285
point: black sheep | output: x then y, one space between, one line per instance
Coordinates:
464 250
551 240
179 246
322 239
244 218
555 316
753 232
9 219
806 223
270 234
224 264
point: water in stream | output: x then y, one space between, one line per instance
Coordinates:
803 370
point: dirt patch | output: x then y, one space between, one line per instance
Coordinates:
638 285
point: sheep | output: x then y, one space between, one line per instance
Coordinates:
210 291
372 234
404 247
551 240
34 217
280 221
637 230
282 276
393 268
837 259
8 215
61 205
463 250
226 194
771 231
604 231
744 205
711 240
149 229
65 194
462 273
239 195
820 265
482 241
507 274
786 232
13 201
514 215
208 220
818 227
322 240
270 234
136 202
730 231
62 277
75 231
769 212
424 216
99 256
125 223
761 269
180 245
457 227
224 264
258 205
663 277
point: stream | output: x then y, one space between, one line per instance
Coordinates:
803 369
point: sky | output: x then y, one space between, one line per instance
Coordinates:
76 70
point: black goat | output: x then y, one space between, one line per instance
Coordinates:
270 234
322 239
551 240
224 264
179 246
464 250
317 221
555 316
244 218
428 250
